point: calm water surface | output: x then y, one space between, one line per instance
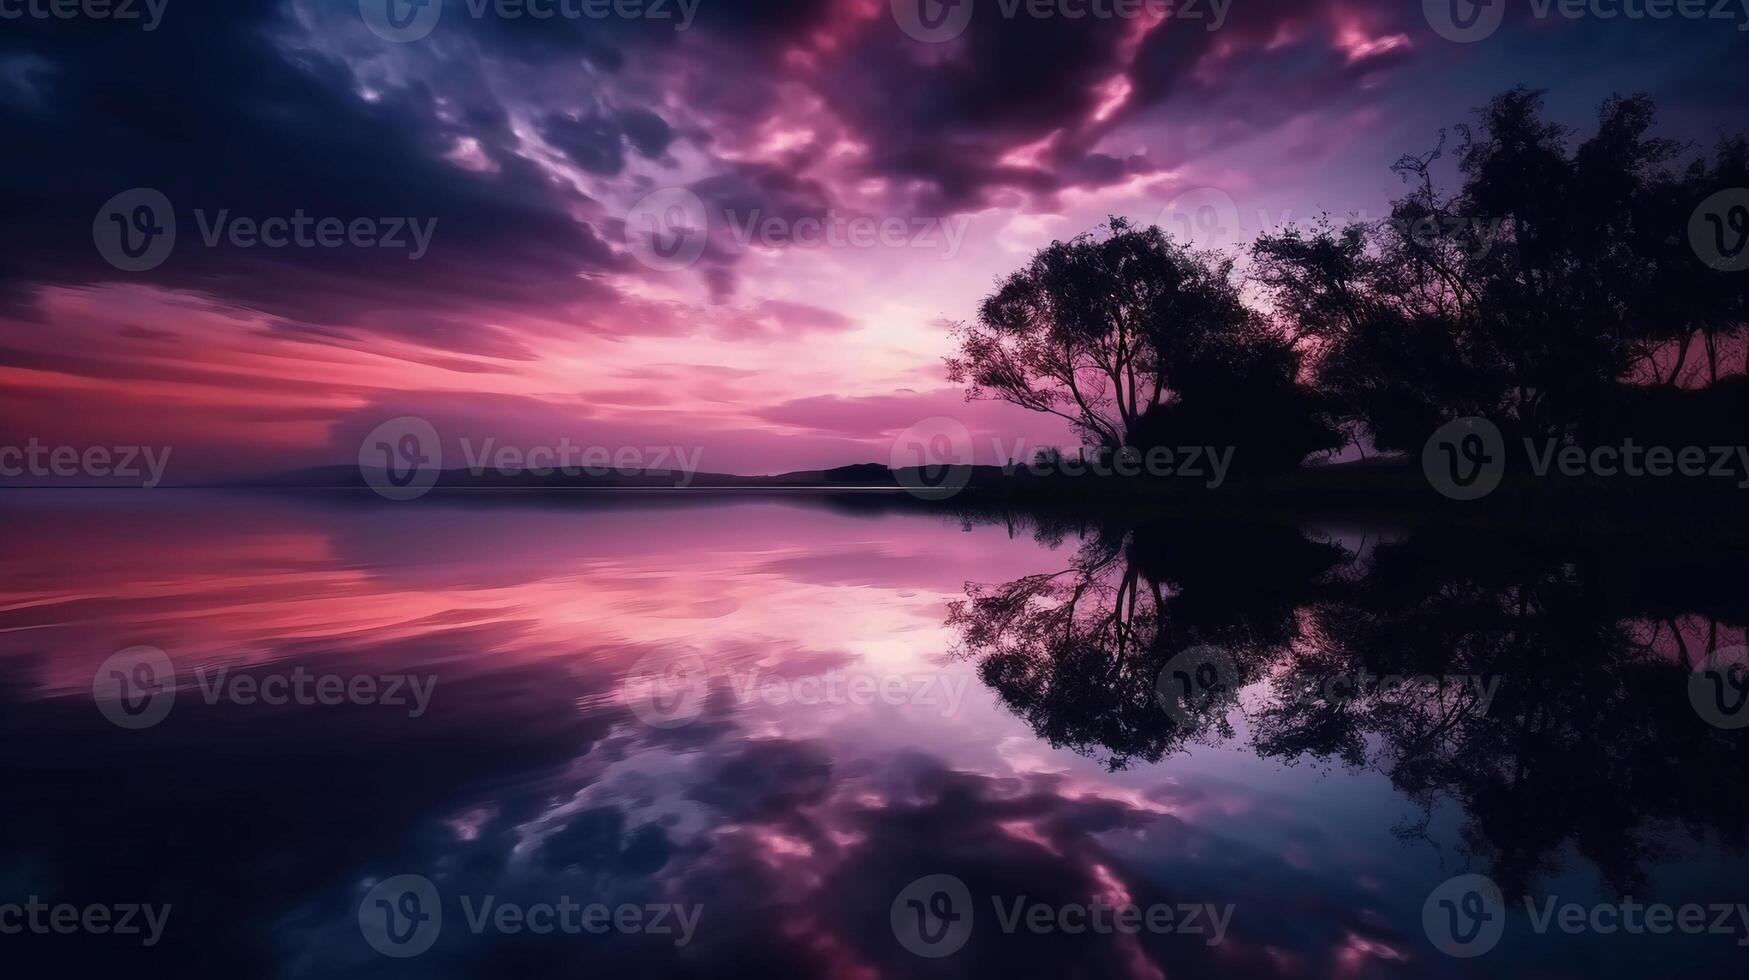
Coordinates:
778 716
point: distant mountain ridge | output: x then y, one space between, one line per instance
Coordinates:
856 475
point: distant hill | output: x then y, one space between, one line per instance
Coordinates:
859 475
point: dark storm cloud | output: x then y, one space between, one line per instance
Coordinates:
948 120
211 110
751 192
596 840
767 780
597 142
261 108
264 108
942 121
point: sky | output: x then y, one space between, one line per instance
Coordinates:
741 230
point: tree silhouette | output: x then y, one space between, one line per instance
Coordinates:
1140 341
1533 295
1242 389
1556 283
1096 330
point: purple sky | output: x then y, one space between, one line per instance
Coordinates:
827 191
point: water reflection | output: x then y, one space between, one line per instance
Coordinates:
1522 682
1078 651
793 822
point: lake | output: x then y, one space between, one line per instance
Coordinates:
333 736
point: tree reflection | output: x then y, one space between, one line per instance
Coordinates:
1078 653
1544 692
